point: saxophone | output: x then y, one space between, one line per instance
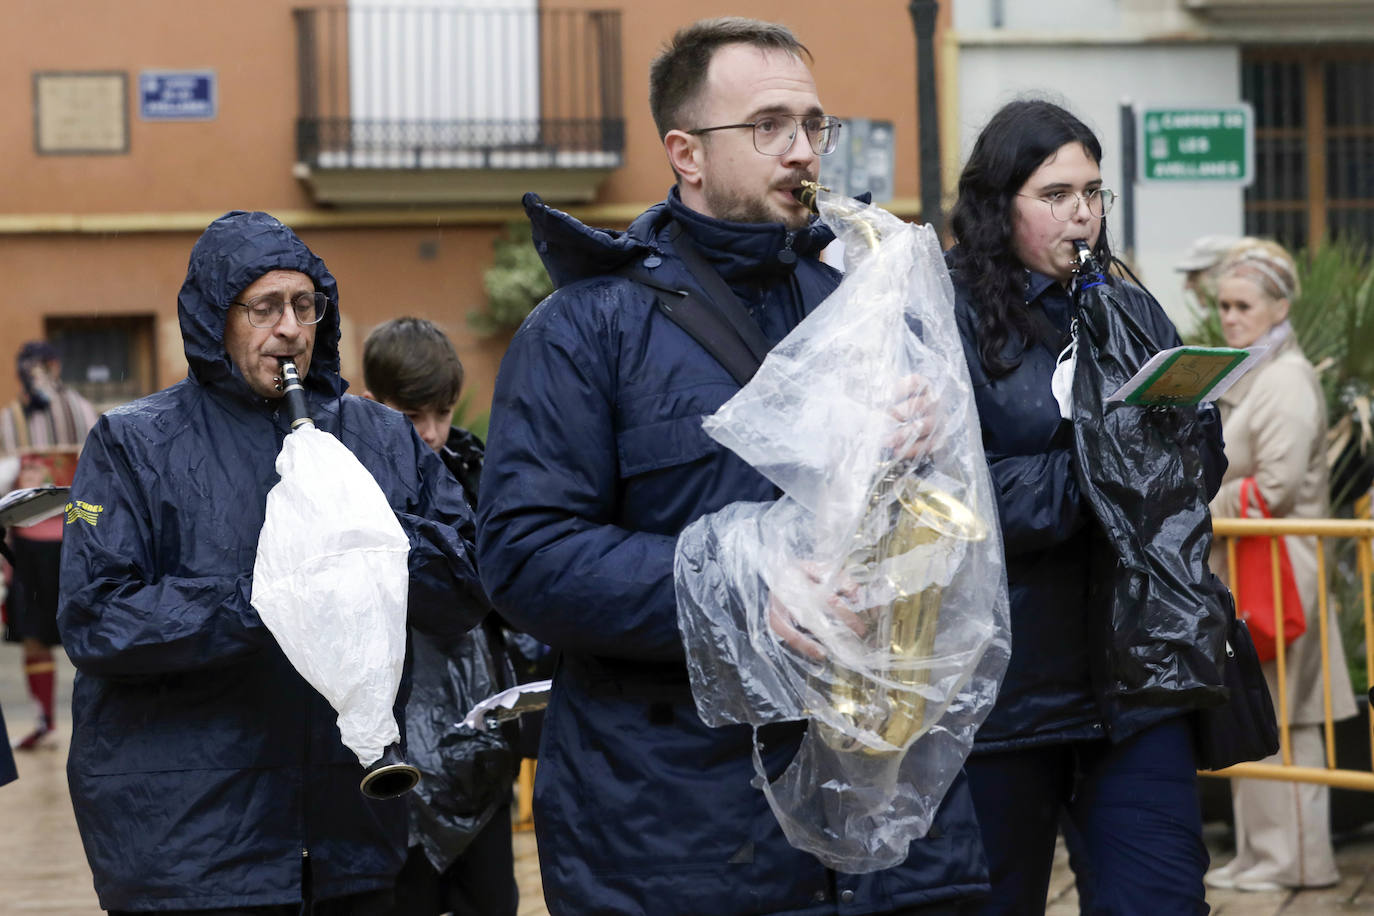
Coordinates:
904 514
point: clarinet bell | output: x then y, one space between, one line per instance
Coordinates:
390 776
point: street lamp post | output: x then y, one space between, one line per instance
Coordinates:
923 15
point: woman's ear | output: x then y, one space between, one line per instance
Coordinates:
685 154
1280 310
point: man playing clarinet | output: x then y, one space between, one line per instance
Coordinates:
206 775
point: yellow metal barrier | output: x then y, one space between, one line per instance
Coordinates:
1362 532
524 796
1228 529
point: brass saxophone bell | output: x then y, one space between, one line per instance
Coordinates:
904 630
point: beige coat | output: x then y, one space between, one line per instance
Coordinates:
1274 422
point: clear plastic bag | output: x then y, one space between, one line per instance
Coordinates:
331 582
884 551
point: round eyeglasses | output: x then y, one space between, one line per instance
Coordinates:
265 311
774 134
1064 204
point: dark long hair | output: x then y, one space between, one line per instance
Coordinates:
1018 139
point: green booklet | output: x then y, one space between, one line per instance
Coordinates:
1186 375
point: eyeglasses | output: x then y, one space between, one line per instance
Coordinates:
1064 204
775 134
266 311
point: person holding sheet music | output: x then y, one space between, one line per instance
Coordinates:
1064 743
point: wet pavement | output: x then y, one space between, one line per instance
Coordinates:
43 869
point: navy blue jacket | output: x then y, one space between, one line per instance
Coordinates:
1056 687
596 461
203 768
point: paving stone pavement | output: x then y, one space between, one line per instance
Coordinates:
43 869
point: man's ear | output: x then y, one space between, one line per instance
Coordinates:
369 395
686 155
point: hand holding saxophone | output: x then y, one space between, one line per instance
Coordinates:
918 412
836 593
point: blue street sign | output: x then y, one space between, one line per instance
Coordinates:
177 95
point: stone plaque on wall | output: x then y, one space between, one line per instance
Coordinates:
75 113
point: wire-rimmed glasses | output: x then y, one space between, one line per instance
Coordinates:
774 134
266 310
1064 204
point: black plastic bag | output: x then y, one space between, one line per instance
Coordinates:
1141 470
466 774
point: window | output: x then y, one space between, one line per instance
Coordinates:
1314 144
110 360
425 70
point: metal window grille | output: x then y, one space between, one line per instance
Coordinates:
110 360
1314 144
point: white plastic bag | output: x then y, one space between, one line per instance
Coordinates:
884 550
331 583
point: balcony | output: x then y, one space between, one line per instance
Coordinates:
453 105
1305 12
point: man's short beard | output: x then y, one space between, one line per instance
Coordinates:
731 207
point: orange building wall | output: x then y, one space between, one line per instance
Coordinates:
178 176
380 274
241 159
864 64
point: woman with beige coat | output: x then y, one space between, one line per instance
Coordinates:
1274 422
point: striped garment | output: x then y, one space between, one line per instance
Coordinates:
64 422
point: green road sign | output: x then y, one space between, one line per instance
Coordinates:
1198 144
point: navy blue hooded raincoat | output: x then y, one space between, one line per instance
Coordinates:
596 461
204 771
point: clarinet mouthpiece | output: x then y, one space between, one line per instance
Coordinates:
1084 254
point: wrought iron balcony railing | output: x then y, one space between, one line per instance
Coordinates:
450 87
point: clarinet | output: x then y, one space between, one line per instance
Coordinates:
389 776
290 382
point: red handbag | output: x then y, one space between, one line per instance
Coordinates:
1254 587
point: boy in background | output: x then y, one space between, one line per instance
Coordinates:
460 859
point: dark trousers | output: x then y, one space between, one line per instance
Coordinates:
1131 809
33 594
480 882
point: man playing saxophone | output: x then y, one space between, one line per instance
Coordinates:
597 461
